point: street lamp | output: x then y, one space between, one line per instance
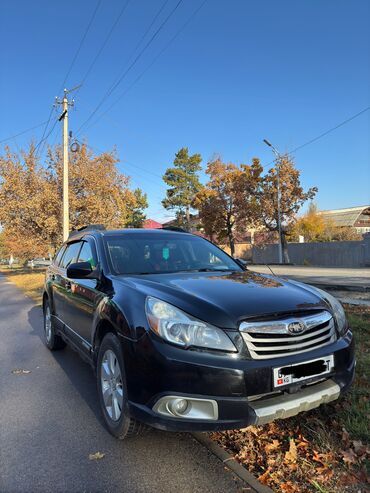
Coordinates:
278 162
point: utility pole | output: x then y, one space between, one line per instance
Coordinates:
64 116
278 162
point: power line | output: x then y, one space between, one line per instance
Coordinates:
115 84
46 126
23 132
47 136
114 25
70 68
311 141
96 149
80 45
151 64
330 130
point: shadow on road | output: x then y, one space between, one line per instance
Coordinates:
80 373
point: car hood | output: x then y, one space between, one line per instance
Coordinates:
224 299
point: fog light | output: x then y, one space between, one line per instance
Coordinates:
186 407
177 406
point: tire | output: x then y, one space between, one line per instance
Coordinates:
51 339
111 381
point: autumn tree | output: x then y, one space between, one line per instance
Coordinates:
31 197
227 203
183 182
311 225
314 226
292 197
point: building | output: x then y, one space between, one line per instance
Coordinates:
353 217
151 224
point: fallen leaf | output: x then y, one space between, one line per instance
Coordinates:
289 487
264 477
291 455
270 447
349 456
96 456
20 371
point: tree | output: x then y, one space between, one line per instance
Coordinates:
136 215
227 204
31 197
315 227
183 182
311 225
292 197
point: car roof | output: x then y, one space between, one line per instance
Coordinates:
78 235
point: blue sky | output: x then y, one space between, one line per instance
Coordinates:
240 71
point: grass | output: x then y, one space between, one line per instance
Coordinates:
326 450
29 280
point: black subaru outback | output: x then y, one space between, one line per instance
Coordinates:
184 338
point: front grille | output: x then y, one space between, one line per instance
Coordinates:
271 338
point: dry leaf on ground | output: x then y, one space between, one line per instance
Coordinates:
96 456
20 371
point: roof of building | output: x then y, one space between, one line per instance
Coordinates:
151 224
348 216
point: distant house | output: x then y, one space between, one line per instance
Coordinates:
151 224
353 217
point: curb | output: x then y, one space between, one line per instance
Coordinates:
341 287
229 461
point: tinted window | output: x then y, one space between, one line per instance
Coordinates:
153 253
87 255
71 254
58 256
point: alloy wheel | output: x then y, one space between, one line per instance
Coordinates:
111 385
48 329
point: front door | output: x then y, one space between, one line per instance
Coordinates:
84 296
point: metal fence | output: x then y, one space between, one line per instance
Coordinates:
326 254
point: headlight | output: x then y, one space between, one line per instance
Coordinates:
178 327
338 312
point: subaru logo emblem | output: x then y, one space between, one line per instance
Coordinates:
297 327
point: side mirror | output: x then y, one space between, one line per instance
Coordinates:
79 270
243 263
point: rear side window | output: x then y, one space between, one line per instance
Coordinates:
71 254
87 255
59 255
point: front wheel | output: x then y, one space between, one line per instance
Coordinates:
112 390
52 340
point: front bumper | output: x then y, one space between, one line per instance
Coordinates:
231 382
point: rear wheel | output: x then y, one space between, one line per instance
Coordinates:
52 340
112 390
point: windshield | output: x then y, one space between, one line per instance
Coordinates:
160 253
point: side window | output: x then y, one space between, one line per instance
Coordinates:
58 256
71 254
87 255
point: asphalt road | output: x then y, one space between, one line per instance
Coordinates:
50 422
328 277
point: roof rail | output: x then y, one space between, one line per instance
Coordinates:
92 227
175 228
89 227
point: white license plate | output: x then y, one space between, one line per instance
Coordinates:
288 374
